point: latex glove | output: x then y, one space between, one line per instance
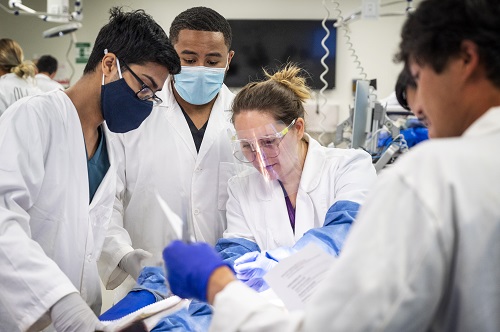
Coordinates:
251 268
189 267
71 314
280 253
132 263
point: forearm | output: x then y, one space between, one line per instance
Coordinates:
219 279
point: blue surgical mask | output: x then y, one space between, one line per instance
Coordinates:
199 85
121 108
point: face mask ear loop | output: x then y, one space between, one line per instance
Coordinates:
119 69
105 52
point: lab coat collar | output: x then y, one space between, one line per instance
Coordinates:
218 121
313 165
487 124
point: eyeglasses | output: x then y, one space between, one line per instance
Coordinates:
145 93
246 150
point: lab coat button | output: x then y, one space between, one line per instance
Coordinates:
89 258
196 211
198 170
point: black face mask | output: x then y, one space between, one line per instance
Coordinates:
121 108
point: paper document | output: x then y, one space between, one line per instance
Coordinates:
295 278
150 315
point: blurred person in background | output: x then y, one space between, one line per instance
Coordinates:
47 70
17 77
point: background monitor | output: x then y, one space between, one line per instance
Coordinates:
271 43
361 117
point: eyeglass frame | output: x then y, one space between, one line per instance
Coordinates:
279 135
155 99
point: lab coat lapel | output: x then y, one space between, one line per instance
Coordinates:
309 181
217 122
313 165
172 111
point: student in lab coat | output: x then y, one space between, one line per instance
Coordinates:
16 75
281 205
406 95
424 252
58 179
47 70
182 152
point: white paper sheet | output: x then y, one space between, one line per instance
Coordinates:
150 314
296 277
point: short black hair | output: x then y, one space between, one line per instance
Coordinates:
47 64
405 81
433 33
201 19
135 38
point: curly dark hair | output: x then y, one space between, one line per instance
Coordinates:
136 38
433 34
201 19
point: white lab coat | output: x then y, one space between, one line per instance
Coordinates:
423 255
258 212
50 237
46 84
13 88
161 155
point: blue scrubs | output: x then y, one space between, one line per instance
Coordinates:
98 165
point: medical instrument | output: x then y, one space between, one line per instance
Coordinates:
57 10
178 226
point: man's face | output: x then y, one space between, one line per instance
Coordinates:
439 96
415 105
202 48
151 74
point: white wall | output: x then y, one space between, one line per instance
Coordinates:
375 41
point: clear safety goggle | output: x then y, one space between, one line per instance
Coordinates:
245 150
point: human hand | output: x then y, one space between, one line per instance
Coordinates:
132 263
189 267
251 268
71 314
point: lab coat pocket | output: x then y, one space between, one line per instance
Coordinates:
226 171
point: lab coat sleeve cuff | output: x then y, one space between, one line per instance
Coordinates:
240 303
112 276
48 301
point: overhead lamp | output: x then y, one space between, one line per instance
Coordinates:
61 30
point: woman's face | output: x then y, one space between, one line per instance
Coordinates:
274 157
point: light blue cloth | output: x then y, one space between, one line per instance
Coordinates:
331 236
196 317
232 249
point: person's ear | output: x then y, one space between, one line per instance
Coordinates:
469 55
229 58
108 66
300 126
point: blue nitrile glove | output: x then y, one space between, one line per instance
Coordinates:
189 267
251 268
